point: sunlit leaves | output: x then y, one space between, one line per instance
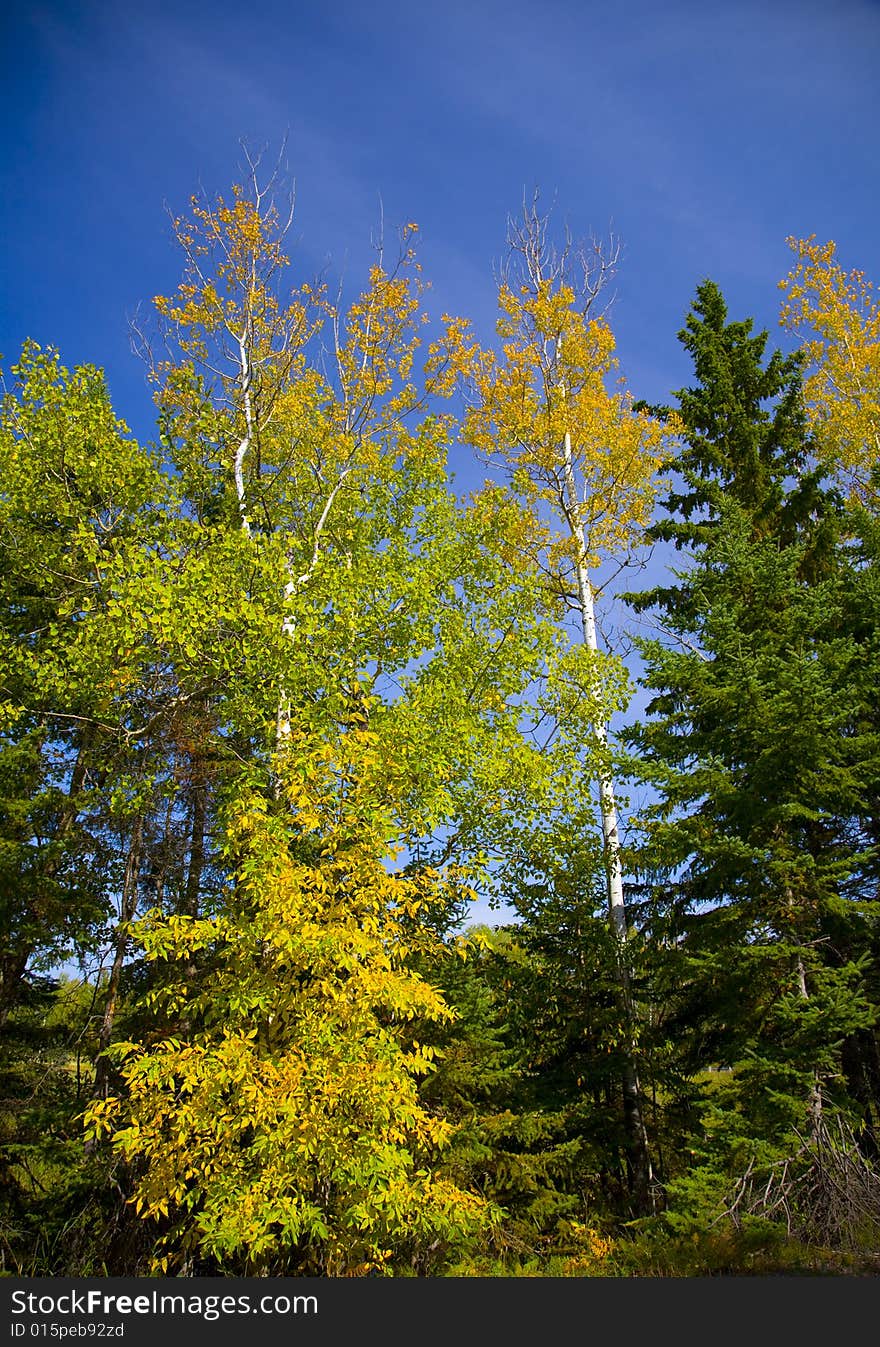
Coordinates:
288 1127
838 319
551 382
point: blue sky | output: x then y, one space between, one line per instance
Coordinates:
705 133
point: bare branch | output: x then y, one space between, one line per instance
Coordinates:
587 267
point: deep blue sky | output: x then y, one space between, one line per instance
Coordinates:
704 132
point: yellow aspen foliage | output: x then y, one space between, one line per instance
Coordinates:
279 389
229 296
551 381
837 317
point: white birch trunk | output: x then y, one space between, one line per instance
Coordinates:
247 439
288 629
282 717
641 1173
814 1102
288 625
607 800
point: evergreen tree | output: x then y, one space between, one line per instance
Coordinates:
763 909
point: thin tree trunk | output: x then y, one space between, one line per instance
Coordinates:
12 970
192 887
245 379
196 849
127 907
814 1101
288 626
638 1155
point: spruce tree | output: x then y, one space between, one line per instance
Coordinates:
756 849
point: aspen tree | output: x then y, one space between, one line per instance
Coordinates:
835 314
583 454
290 398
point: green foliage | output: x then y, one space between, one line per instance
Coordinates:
76 496
758 846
